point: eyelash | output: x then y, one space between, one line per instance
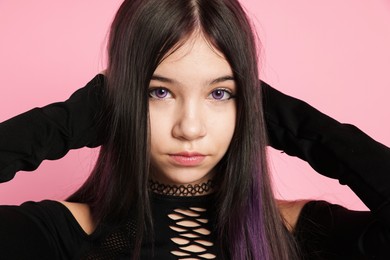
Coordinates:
226 92
152 93
153 90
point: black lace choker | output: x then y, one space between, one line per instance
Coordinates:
181 190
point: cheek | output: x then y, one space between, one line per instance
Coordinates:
222 127
160 127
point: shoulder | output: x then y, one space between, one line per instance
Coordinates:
41 230
82 214
290 211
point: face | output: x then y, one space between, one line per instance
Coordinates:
192 112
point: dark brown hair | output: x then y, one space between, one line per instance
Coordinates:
142 34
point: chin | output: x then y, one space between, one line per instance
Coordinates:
186 181
186 177
182 176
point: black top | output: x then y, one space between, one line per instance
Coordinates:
329 231
48 230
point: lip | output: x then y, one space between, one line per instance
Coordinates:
187 158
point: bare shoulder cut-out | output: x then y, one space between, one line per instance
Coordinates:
193 237
290 211
82 214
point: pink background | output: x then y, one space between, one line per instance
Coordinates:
333 54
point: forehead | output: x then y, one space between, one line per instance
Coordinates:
196 58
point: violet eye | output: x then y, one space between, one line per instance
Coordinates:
220 94
159 93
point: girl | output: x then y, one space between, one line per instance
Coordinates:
183 109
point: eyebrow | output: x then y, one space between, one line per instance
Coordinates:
214 81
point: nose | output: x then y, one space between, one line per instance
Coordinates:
190 122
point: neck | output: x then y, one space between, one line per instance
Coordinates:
181 189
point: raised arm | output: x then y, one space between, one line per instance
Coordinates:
51 131
339 151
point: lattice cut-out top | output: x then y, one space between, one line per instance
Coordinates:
183 229
194 238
